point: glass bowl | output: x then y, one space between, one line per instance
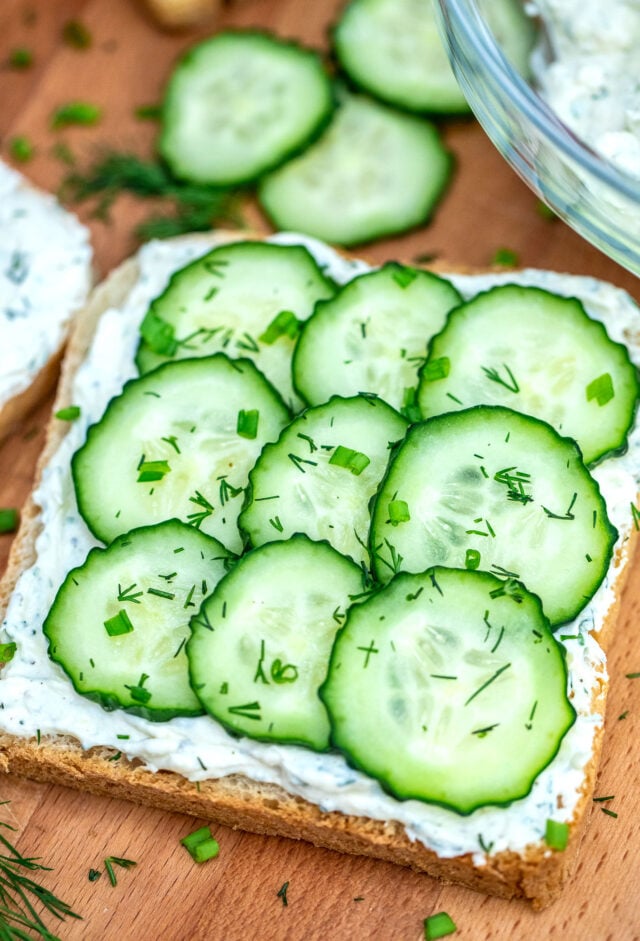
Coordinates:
597 199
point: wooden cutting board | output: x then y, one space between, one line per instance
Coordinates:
235 898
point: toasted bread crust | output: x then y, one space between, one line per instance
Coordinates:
537 875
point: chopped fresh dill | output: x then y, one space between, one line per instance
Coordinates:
282 893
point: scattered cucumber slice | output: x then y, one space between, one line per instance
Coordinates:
178 442
490 488
320 475
374 172
418 682
261 643
371 337
245 299
120 621
239 104
541 354
392 49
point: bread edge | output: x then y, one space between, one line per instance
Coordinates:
537 875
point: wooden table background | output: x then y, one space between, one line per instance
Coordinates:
234 898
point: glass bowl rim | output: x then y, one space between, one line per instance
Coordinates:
528 101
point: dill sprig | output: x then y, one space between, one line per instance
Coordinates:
18 915
191 207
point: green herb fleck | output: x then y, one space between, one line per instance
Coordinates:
556 834
120 623
632 676
403 275
505 257
438 926
76 35
70 413
600 800
282 894
197 519
601 389
494 375
128 594
398 512
609 813
152 470
21 148
354 461
159 593
20 58
435 369
201 845
368 651
139 693
94 875
148 112
545 212
7 652
635 515
410 408
284 324
472 559
487 683
9 518
75 112
112 861
247 426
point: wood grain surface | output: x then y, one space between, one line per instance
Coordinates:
234 898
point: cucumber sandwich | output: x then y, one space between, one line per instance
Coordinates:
336 580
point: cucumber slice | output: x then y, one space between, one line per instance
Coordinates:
179 442
374 172
392 49
245 299
541 354
239 104
371 336
320 475
418 682
490 488
261 643
119 622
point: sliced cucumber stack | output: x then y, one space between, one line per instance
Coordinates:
392 49
239 104
493 489
371 336
178 442
119 622
374 172
245 299
541 354
320 475
448 689
261 643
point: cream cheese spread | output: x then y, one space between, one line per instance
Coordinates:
592 80
45 275
36 696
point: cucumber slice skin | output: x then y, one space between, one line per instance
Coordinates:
417 683
242 53
204 309
260 645
400 157
499 486
505 333
180 420
343 348
392 50
295 486
171 559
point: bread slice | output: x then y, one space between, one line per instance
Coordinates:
45 277
532 871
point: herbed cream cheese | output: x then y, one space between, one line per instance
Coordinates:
36 696
593 79
45 275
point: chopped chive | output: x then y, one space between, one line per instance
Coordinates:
277 524
410 408
282 894
158 334
152 470
545 212
632 676
20 58
398 512
472 559
635 515
355 461
201 845
600 800
505 257
120 623
148 112
601 389
247 426
9 518
437 926
123 737
139 693
75 112
623 715
159 593
7 652
556 834
609 813
404 276
284 324
112 861
76 35
436 369
116 757
70 413
21 148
